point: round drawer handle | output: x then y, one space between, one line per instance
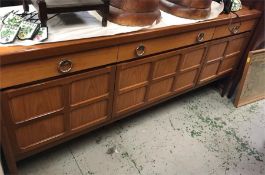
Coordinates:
200 37
140 50
235 29
65 66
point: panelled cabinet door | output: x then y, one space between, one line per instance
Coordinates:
42 113
91 99
151 79
223 57
190 68
35 114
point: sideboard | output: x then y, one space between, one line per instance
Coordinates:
51 93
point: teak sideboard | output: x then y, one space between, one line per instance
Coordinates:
51 93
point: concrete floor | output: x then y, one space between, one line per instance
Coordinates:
196 134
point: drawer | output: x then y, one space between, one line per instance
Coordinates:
225 30
49 67
152 46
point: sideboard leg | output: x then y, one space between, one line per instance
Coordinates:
8 153
226 86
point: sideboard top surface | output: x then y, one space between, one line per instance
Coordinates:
15 54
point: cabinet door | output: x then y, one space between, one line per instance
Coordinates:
223 57
91 98
151 79
45 112
190 68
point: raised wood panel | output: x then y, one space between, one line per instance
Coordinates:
235 46
40 131
165 66
228 64
36 103
209 71
192 59
186 80
130 100
89 115
134 75
216 52
89 88
160 89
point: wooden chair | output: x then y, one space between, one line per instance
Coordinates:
45 7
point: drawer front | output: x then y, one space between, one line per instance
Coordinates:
148 80
229 30
36 70
223 57
43 113
152 46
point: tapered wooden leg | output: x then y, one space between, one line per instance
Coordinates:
105 14
104 22
8 153
43 16
25 5
43 20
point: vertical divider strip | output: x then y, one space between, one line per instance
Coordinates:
178 67
67 106
202 65
150 79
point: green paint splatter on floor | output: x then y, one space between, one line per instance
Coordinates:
243 146
195 133
212 123
220 135
126 155
90 173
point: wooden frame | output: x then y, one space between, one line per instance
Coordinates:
44 8
241 98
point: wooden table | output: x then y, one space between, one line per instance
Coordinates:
54 92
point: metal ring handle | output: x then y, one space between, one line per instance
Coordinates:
65 66
140 50
200 37
235 29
